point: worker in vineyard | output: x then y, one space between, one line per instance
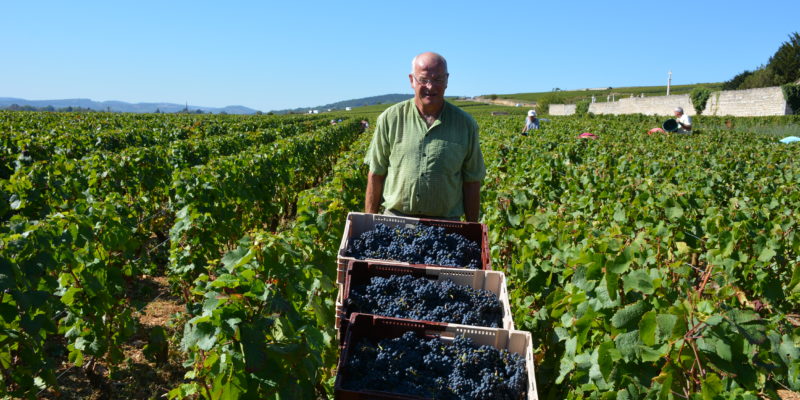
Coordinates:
425 158
531 122
684 121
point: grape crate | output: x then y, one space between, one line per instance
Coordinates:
415 241
420 314
420 244
471 297
404 296
433 360
422 366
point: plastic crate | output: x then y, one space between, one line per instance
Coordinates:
358 223
359 273
376 328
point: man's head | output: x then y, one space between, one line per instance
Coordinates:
532 113
428 78
678 111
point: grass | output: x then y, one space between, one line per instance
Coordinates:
474 108
374 109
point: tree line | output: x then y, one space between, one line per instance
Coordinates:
17 107
50 108
782 68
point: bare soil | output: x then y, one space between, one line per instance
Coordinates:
788 395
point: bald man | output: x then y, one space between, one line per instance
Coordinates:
425 158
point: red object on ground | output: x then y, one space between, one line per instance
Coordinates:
587 135
655 130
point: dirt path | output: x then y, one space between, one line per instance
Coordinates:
788 395
503 102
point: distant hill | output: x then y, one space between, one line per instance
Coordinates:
121 106
341 105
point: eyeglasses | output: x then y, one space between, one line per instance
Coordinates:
432 82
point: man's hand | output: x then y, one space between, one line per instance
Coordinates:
372 202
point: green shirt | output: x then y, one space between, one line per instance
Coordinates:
425 168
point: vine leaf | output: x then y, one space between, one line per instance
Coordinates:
627 316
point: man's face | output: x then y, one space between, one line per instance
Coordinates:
678 114
429 83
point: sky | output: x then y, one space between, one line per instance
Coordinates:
270 55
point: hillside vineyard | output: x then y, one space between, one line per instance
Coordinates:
642 265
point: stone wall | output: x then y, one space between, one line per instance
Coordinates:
748 103
562 109
745 103
654 105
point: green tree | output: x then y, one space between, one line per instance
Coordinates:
543 103
785 64
762 77
792 95
736 81
783 67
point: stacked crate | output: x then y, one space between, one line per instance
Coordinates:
353 326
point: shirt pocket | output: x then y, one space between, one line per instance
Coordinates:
445 157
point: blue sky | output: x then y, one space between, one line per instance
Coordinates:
273 55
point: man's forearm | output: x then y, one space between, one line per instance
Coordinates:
472 200
372 202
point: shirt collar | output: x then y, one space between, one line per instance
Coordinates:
440 120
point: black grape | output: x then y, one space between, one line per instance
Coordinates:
423 367
420 244
404 296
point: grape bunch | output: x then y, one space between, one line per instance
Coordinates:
404 296
420 244
417 366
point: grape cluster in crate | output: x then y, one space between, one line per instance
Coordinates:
420 314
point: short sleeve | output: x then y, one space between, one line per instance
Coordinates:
474 169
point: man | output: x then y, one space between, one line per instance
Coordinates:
531 122
684 121
425 158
